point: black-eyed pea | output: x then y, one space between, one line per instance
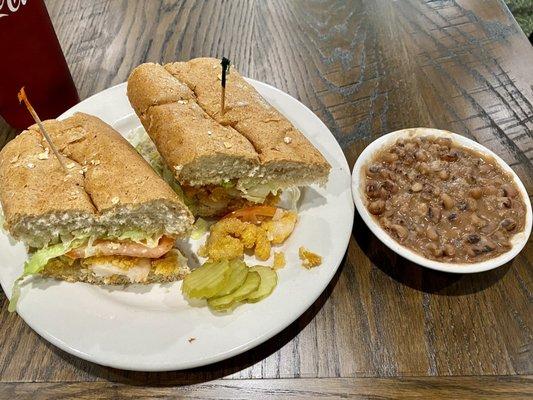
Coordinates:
475 193
472 204
400 231
423 208
376 207
447 201
434 214
416 187
476 221
449 250
508 224
509 190
431 233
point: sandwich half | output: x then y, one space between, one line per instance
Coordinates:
106 218
246 156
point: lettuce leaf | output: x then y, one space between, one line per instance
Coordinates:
147 149
140 140
258 193
289 198
139 237
41 257
199 228
36 263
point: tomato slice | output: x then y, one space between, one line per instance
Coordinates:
253 214
123 248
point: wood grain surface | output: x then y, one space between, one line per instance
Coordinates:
365 67
464 388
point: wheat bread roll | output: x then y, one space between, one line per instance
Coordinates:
107 188
284 152
196 148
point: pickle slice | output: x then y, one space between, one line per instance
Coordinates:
207 280
269 280
237 276
227 302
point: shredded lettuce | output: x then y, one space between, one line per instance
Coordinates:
227 184
140 237
36 263
15 295
146 148
289 198
140 140
259 192
199 228
41 257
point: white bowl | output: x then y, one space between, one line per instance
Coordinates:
518 241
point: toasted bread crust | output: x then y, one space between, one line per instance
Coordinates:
103 172
273 136
184 134
32 182
192 135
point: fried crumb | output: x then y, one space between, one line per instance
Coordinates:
202 251
14 159
287 139
115 200
227 145
30 165
309 259
279 260
192 339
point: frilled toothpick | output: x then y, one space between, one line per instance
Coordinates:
225 70
23 98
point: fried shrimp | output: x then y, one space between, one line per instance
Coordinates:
249 228
231 236
280 227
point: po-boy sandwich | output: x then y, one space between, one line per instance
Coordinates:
105 218
223 162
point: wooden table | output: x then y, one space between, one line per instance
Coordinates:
384 328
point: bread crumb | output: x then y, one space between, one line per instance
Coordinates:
309 259
95 162
30 165
279 260
44 155
178 167
192 339
287 139
115 200
71 165
182 101
209 133
14 159
227 145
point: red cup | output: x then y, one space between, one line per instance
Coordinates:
32 57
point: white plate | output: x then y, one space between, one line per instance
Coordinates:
358 180
147 328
